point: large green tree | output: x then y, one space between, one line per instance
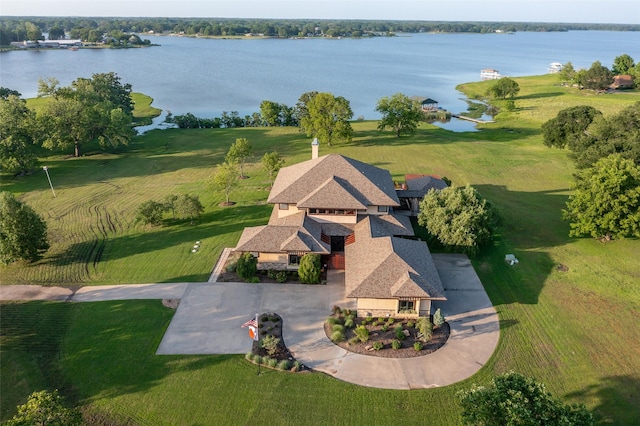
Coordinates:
623 64
458 217
516 400
23 232
270 113
606 200
400 113
504 88
597 77
97 109
568 126
44 408
17 150
240 150
328 118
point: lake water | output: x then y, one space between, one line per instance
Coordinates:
206 77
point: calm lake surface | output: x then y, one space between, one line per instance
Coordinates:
206 77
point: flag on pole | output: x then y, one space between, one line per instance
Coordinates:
253 327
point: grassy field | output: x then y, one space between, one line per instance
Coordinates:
568 311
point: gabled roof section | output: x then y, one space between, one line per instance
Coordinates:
334 193
370 185
390 267
292 233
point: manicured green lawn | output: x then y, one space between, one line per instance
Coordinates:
573 327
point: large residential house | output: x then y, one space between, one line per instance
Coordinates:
343 210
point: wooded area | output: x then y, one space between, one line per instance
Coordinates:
29 28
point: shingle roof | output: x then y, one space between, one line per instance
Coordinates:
390 267
334 193
293 233
368 184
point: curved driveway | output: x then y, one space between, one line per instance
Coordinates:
210 314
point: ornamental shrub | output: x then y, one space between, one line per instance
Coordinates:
417 346
378 345
396 344
270 344
247 266
284 365
333 320
362 333
337 337
425 328
337 327
281 277
349 323
438 318
410 324
272 363
399 333
309 270
385 327
354 340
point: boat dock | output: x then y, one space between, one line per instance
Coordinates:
464 117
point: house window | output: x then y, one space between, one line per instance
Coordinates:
406 305
294 259
283 206
383 209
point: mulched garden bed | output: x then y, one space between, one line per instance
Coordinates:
377 334
271 324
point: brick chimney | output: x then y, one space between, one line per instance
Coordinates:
314 148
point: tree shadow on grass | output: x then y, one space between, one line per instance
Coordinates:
531 223
617 398
216 223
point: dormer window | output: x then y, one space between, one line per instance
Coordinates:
283 206
383 209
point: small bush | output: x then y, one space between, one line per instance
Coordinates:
438 318
270 344
231 267
368 319
296 365
281 277
362 333
247 266
385 327
272 363
417 346
354 340
333 320
410 324
309 270
425 328
337 337
284 365
337 327
254 280
349 323
380 320
396 344
390 320
257 359
399 333
378 345
271 274
248 356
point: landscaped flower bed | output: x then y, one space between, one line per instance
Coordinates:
270 351
384 337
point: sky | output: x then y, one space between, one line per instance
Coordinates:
580 11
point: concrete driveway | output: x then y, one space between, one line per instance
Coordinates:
209 317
